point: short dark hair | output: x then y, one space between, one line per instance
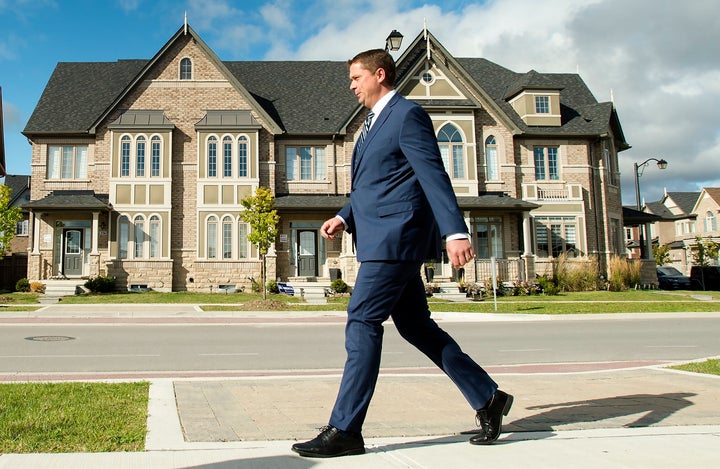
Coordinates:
375 59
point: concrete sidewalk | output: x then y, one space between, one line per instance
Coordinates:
633 414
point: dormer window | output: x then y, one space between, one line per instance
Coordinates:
186 69
542 104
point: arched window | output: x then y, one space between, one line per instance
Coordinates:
125 142
452 150
710 221
139 236
212 157
123 236
242 240
227 156
242 156
212 237
140 156
186 69
227 229
155 236
155 142
491 158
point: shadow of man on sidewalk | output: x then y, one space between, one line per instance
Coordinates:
609 412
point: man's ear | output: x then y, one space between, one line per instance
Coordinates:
380 75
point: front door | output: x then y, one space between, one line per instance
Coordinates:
72 253
307 253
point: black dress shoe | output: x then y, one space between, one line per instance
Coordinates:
489 418
330 443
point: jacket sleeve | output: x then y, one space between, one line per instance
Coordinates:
419 144
346 214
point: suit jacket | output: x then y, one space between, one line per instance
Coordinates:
401 201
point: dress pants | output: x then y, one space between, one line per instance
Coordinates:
395 289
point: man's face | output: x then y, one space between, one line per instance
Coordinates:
366 84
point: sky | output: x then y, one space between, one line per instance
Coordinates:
657 60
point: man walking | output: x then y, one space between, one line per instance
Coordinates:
401 205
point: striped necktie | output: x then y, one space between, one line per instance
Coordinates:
366 128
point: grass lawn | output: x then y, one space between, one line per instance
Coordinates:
72 417
710 367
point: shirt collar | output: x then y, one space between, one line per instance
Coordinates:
382 102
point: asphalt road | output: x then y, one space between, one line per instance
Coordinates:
114 348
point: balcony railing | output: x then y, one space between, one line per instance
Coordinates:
550 192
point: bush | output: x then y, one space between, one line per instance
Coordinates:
547 285
272 287
577 275
100 284
339 286
623 274
37 287
22 285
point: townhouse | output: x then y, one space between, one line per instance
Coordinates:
139 166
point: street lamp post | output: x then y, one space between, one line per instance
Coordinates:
662 164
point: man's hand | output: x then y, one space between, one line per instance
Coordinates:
459 252
331 227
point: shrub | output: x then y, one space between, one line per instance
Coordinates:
272 287
100 284
623 274
547 285
37 287
579 275
22 285
339 286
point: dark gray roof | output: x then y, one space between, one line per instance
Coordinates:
18 184
685 200
228 119
497 201
580 112
71 200
141 119
78 93
494 201
305 98
310 202
310 97
634 217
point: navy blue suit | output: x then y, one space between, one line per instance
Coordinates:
401 204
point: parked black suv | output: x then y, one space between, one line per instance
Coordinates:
706 278
669 278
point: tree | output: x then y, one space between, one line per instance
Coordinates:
702 253
9 216
661 254
262 217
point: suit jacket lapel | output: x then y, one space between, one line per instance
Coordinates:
379 120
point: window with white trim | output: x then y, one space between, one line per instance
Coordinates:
139 236
491 157
489 238
243 244
546 163
212 157
22 228
227 237
710 221
123 236
542 104
155 236
305 163
133 156
556 235
242 156
186 69
452 151
212 226
67 162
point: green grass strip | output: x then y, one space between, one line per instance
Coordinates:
710 367
73 417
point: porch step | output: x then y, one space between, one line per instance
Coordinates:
313 291
56 289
